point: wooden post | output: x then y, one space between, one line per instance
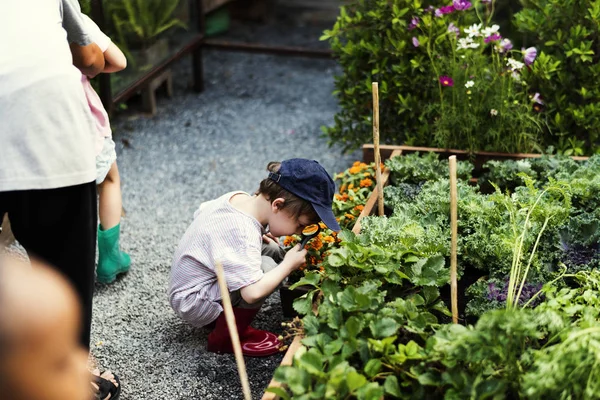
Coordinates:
233 333
454 240
378 179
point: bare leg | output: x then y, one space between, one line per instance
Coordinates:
110 202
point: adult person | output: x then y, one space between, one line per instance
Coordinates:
47 167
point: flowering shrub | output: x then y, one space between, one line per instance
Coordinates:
356 184
568 69
446 74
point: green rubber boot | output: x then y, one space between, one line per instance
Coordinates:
111 260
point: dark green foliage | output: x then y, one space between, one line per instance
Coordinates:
567 70
418 168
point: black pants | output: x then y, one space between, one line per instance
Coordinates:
58 226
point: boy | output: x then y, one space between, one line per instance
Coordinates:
232 230
41 357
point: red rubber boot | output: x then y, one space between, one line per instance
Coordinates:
255 343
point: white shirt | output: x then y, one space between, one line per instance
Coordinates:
219 233
46 129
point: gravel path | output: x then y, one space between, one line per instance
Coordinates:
255 109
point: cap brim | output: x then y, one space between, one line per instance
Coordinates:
327 217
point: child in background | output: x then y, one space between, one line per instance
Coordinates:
41 357
239 231
111 260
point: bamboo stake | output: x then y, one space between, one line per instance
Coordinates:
454 241
379 188
233 333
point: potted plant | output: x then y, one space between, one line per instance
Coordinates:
141 24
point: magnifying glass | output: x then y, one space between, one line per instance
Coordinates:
308 233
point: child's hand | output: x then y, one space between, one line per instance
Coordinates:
295 256
268 238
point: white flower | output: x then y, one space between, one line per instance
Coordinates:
515 75
466 43
493 112
490 30
473 30
514 64
469 84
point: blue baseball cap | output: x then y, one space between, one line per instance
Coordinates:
308 180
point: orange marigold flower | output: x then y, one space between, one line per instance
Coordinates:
366 174
349 216
355 170
317 244
328 239
322 268
288 241
338 197
366 182
323 226
312 260
351 186
345 197
356 164
343 188
359 208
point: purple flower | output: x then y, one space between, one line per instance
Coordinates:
447 9
437 13
453 28
486 1
505 45
415 42
529 55
537 98
414 22
446 81
461 5
429 9
492 38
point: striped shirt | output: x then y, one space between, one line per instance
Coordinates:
219 232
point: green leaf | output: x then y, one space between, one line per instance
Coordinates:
373 367
353 326
312 362
346 235
371 391
355 380
310 279
392 387
333 347
384 327
303 304
311 325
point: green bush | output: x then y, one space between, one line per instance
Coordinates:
567 70
490 102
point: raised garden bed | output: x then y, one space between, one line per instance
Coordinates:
368 210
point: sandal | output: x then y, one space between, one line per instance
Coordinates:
106 389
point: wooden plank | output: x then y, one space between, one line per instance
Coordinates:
372 200
368 152
287 360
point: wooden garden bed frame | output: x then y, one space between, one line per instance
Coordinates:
389 151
